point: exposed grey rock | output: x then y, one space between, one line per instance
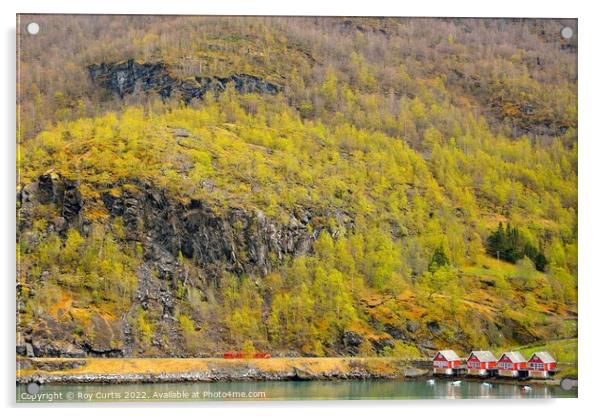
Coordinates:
236 240
20 345
395 332
381 344
29 350
72 200
43 347
351 342
434 327
126 78
51 188
412 326
104 338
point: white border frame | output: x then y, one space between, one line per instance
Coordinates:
590 167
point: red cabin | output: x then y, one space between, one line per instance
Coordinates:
511 364
481 363
446 362
541 365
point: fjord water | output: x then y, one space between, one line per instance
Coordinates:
287 390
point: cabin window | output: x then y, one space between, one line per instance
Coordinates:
506 366
440 363
537 366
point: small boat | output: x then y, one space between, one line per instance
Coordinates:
430 382
527 388
487 385
456 383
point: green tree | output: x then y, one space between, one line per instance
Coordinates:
438 260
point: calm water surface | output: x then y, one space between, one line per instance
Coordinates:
286 390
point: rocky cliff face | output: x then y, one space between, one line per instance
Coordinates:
129 77
51 188
239 241
213 241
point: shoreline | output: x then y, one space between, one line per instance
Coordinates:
184 370
211 370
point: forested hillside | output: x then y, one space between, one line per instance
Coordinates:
312 186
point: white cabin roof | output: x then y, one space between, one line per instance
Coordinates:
544 356
449 355
484 356
515 356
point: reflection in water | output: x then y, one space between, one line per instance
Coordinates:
289 390
483 390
